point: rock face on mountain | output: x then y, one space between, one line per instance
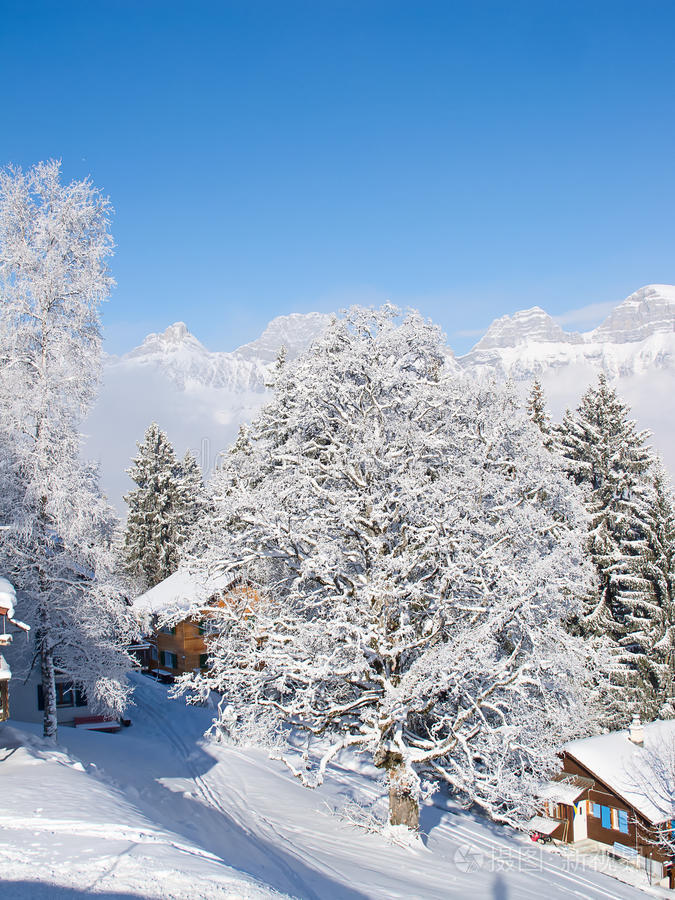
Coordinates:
639 335
526 326
651 310
295 332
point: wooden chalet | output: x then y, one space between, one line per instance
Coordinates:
598 800
180 645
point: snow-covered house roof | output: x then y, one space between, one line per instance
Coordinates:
565 789
7 601
7 597
180 592
617 761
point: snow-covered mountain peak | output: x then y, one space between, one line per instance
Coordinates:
295 332
177 355
173 338
525 327
651 310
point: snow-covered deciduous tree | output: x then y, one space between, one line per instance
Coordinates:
610 459
168 500
415 553
57 530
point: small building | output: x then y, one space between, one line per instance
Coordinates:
176 645
601 798
7 601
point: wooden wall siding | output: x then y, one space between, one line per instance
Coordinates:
187 643
639 831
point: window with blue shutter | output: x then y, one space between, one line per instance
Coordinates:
623 821
606 817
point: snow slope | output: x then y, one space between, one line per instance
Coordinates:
157 811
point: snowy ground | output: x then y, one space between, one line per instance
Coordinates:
155 811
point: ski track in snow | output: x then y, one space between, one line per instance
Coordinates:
227 810
211 797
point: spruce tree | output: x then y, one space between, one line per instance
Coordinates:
152 536
192 502
609 458
659 575
536 410
164 509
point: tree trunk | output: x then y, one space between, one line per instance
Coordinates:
403 806
48 692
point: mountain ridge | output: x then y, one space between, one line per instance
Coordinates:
201 396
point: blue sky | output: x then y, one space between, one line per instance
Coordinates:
469 159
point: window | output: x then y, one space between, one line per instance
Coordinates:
623 821
203 660
201 627
67 695
594 810
168 660
166 629
153 651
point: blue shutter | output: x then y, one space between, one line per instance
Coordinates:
623 821
595 810
606 817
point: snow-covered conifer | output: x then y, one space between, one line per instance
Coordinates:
538 413
168 501
657 572
609 458
152 536
414 554
56 538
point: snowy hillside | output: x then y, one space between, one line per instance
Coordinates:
201 396
158 812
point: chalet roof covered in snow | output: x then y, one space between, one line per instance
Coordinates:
565 789
617 761
180 591
7 597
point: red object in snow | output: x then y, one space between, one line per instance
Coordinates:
97 723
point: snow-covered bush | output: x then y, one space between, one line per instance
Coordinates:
416 551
